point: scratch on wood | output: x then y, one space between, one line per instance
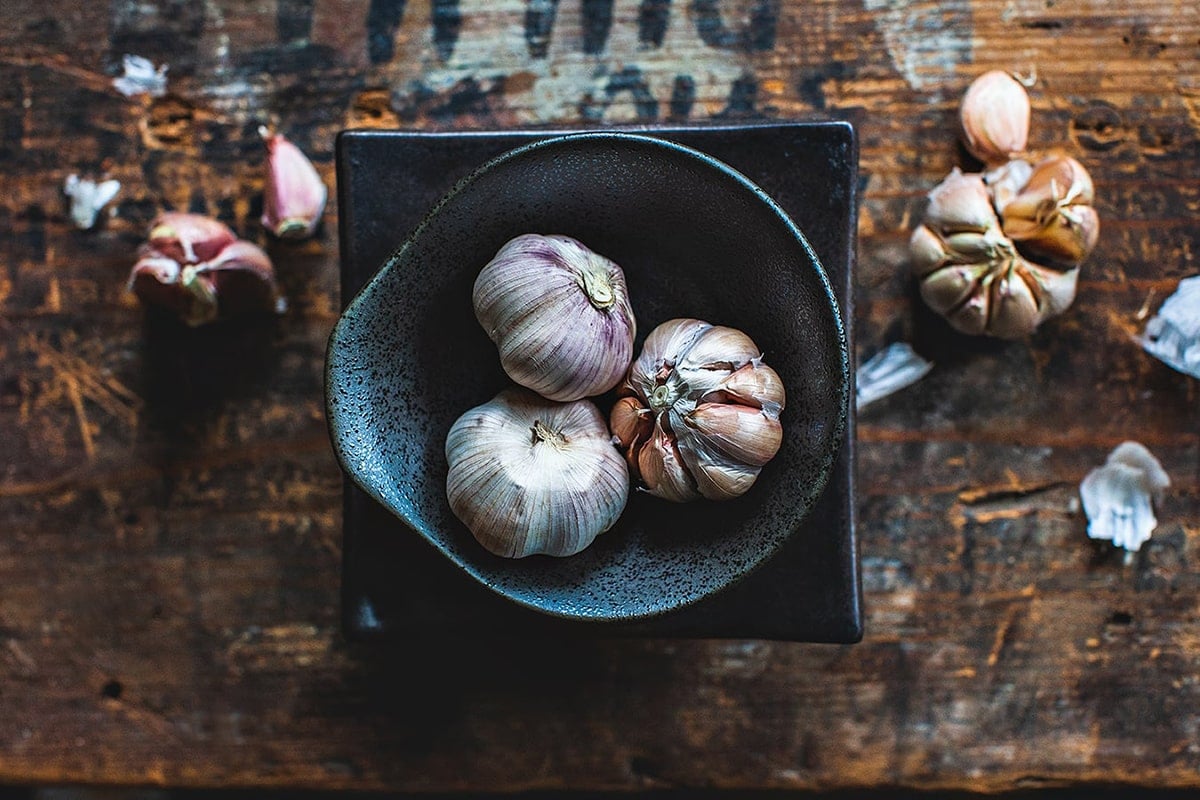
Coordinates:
26 666
75 374
991 494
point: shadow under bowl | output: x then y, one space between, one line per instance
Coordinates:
695 239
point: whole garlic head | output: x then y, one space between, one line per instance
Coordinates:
973 275
559 315
529 475
700 412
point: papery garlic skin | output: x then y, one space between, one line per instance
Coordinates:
995 115
293 194
1118 497
87 198
529 475
197 268
559 315
700 412
1173 334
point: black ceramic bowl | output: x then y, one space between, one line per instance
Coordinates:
695 239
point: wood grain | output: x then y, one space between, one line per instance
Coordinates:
170 508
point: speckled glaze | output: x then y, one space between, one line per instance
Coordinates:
695 238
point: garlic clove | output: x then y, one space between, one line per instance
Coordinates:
559 315
946 288
661 350
189 238
738 433
971 316
928 251
661 469
1056 290
630 421
1052 216
995 116
716 476
1006 181
529 475
243 277
1014 309
755 385
293 194
960 203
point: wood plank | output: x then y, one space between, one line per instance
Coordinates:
170 509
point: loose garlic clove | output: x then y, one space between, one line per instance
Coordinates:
293 193
529 475
559 315
1052 216
715 407
995 116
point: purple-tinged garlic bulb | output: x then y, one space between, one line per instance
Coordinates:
973 275
293 193
529 475
559 315
198 269
995 118
700 412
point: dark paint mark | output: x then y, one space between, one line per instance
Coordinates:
759 33
34 237
169 32
539 23
1120 618
293 21
597 22
683 96
630 80
197 203
112 690
44 31
447 23
467 100
227 213
1098 127
383 20
12 97
812 82
653 17
743 99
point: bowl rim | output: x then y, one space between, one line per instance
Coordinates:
833 440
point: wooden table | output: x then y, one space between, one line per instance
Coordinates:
170 508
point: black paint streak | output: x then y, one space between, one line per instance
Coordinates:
197 203
539 23
653 16
683 96
168 31
743 99
293 21
383 19
759 34
466 101
630 80
447 22
812 82
597 22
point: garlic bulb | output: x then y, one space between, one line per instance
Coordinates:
559 315
995 117
700 412
1052 216
197 268
973 275
529 475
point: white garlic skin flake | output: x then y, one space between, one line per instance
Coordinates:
1118 498
529 475
700 415
1173 334
559 315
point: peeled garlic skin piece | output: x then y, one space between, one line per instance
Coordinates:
529 475
1118 497
559 315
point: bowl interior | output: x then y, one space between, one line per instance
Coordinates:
695 239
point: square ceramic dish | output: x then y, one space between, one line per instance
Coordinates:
396 584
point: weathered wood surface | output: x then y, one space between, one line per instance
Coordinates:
169 506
